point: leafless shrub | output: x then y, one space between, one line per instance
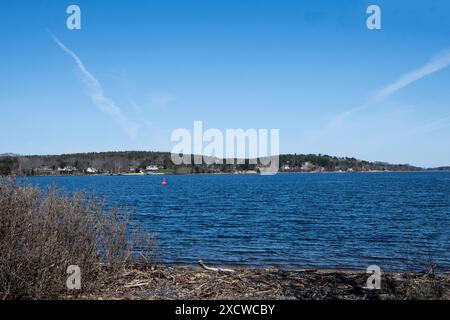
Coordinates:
42 233
424 287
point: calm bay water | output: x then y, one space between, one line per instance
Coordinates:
395 220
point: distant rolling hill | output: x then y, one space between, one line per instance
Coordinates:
441 168
9 155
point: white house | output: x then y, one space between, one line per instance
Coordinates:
44 169
67 169
152 168
91 170
307 166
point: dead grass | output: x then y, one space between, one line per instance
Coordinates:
42 233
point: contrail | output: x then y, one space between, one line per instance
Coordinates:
442 122
437 63
95 92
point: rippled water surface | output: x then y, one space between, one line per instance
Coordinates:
396 220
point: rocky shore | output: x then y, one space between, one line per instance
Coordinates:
167 283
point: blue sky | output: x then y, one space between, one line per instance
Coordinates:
310 68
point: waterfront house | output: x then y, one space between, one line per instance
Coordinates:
91 170
44 170
67 169
307 166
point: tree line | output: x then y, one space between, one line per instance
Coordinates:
137 161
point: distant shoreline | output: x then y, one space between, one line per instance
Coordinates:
149 162
222 173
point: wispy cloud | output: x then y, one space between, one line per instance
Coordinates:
438 124
95 92
435 64
161 100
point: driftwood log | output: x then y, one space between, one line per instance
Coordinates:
200 262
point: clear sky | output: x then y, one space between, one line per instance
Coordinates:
137 70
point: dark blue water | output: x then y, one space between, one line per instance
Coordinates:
398 221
